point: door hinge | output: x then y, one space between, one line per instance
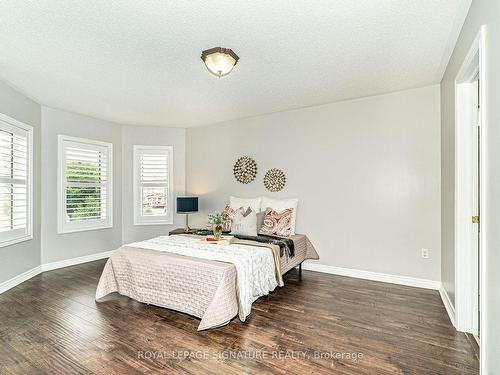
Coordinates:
475 219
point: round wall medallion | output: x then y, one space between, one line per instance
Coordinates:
274 180
245 170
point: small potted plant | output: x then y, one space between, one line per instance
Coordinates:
217 219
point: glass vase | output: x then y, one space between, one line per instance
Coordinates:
217 231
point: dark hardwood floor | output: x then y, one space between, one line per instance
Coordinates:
51 324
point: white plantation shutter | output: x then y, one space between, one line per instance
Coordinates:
153 185
85 184
15 181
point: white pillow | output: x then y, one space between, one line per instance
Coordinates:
244 223
280 205
253 203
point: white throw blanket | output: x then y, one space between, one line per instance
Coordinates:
255 266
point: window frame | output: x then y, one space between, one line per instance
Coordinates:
137 196
27 235
64 226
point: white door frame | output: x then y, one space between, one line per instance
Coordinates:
466 262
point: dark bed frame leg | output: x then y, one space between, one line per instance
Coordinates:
300 271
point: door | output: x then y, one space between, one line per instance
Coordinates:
470 227
476 196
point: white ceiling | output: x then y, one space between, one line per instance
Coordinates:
138 62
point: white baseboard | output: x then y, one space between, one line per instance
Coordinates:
360 274
6 285
74 261
16 280
374 276
447 304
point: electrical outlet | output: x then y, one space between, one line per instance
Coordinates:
425 253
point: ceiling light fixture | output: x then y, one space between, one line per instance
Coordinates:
219 61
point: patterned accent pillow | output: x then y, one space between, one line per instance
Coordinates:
277 223
227 224
244 222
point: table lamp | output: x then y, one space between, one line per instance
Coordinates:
187 205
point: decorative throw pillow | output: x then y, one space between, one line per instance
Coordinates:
253 203
260 218
244 222
280 205
277 223
226 225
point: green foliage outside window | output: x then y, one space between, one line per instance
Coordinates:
84 200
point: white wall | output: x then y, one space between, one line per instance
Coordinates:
57 247
21 257
48 246
366 172
141 135
482 12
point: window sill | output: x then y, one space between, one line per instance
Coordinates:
16 240
75 230
170 222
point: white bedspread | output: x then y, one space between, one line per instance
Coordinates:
254 265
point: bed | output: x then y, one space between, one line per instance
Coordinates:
209 281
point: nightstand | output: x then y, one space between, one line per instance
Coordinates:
181 231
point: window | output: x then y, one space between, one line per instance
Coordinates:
153 199
16 149
85 184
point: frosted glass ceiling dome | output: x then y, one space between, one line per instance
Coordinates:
219 61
